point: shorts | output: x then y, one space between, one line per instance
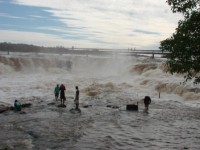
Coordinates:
56 94
62 96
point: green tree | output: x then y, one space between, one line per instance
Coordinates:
184 44
184 6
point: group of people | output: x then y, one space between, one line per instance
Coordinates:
60 90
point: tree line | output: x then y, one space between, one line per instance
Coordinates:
30 48
12 47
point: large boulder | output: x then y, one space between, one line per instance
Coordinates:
3 108
132 107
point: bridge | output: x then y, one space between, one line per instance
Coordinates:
134 52
95 51
152 53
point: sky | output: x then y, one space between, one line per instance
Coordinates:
117 24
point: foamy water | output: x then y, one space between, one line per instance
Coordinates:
172 122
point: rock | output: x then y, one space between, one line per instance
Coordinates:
11 108
26 105
62 105
3 108
86 106
132 107
115 106
75 110
112 106
33 134
22 112
23 105
52 103
8 147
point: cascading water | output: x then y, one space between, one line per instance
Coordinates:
172 122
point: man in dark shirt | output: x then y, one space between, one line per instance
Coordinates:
76 100
147 101
62 94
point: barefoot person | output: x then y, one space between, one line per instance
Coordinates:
147 101
62 94
76 100
56 92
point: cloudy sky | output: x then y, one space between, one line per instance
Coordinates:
139 24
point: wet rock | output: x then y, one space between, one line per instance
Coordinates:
75 110
8 147
112 106
50 104
23 105
115 106
33 134
22 112
26 105
62 105
11 108
86 106
3 108
132 107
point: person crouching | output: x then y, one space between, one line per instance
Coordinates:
17 106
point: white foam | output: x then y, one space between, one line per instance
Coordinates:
43 72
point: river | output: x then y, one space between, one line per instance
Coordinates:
172 121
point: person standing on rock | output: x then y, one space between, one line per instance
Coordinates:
56 92
76 100
62 94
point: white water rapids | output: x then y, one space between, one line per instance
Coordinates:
172 123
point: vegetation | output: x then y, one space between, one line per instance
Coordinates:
184 44
29 48
11 47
